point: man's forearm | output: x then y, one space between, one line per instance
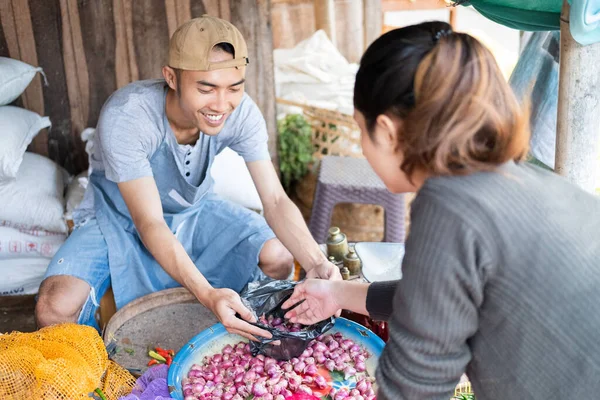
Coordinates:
172 257
288 224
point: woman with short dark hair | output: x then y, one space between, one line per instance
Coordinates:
501 273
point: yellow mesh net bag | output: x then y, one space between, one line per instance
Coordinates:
65 361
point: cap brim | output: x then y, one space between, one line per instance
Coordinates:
236 62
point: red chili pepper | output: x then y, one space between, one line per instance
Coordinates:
171 352
152 362
169 360
162 352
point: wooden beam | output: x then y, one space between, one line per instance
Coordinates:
373 20
413 5
325 18
292 22
253 19
292 2
349 26
452 17
578 123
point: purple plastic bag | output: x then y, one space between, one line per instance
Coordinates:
151 386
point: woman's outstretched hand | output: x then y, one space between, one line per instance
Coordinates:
317 298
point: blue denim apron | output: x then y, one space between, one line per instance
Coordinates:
134 271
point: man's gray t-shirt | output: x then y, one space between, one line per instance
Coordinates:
133 125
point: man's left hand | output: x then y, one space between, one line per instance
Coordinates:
326 270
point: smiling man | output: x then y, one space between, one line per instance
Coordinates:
149 220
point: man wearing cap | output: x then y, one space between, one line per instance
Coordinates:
149 220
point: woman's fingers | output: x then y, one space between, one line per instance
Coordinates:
298 310
306 316
302 312
297 296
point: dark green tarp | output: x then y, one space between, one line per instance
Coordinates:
524 15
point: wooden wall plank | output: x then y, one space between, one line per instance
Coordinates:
128 12
225 9
252 18
33 97
125 67
184 13
178 12
75 66
325 18
349 29
16 18
171 13
122 70
10 30
411 5
210 7
150 38
98 31
292 22
373 20
64 145
3 44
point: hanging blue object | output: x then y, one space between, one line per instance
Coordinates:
584 20
542 15
530 15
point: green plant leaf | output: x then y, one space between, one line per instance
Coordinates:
295 148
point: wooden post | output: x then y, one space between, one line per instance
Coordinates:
578 124
252 18
325 18
350 29
452 17
373 20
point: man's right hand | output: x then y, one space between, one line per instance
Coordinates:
225 303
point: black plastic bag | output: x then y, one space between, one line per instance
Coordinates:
265 298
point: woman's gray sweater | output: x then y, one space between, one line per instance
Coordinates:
501 280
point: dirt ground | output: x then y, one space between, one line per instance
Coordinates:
17 314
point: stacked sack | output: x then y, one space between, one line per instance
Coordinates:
32 227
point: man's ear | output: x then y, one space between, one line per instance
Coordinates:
170 77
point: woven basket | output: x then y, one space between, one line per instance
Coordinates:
334 133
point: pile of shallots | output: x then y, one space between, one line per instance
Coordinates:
234 374
280 324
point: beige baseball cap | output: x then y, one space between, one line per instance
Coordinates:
192 42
